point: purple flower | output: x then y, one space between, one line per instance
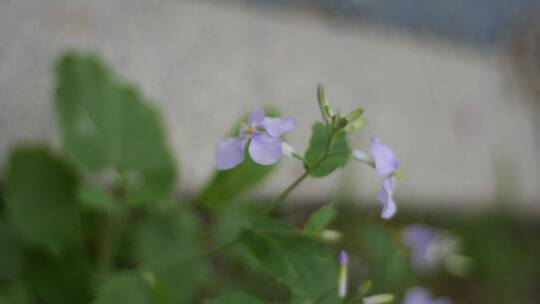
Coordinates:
386 161
432 247
386 164
421 240
418 295
262 133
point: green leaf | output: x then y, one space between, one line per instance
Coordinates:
227 185
337 156
320 219
235 298
106 124
14 294
391 270
64 279
168 243
41 198
305 265
124 287
97 199
11 253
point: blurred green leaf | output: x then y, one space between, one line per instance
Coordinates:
97 199
14 294
498 248
11 253
320 219
390 271
41 198
168 242
235 298
124 287
64 279
227 185
306 266
338 153
106 124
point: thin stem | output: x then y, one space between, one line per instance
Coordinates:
281 198
297 156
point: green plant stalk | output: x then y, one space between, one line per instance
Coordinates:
276 203
114 227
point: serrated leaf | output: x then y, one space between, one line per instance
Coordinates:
227 185
41 199
320 219
166 246
304 265
106 124
124 287
235 298
337 155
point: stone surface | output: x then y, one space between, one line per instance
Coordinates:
449 111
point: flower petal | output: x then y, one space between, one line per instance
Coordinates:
256 117
229 153
385 197
386 161
417 295
264 149
276 127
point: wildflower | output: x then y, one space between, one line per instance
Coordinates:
262 134
386 164
343 274
431 247
418 295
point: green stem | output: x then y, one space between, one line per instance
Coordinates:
281 198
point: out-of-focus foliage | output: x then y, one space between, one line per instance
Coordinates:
97 222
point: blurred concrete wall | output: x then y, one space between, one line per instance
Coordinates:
449 111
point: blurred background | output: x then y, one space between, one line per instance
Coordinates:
452 86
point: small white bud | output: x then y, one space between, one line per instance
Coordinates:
287 150
360 155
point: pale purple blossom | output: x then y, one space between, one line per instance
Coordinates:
421 240
262 134
432 247
386 163
418 295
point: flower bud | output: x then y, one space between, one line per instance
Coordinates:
343 274
326 111
379 299
331 235
287 150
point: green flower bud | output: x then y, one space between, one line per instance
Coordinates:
326 111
